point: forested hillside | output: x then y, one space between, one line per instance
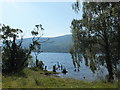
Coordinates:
55 44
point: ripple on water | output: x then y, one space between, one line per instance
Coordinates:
65 59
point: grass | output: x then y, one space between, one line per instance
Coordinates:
36 78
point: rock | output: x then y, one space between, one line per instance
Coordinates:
64 71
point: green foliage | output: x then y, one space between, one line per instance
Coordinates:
71 51
15 57
34 33
101 35
15 64
36 44
40 64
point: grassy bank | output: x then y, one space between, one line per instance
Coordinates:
36 78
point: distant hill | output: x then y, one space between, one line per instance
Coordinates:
55 44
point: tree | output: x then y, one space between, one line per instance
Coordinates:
36 42
100 22
82 44
75 50
14 56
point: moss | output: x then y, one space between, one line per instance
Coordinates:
30 78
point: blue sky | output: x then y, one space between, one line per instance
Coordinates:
55 17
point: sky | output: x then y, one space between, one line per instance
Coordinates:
55 17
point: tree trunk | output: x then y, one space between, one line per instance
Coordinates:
13 60
109 66
108 61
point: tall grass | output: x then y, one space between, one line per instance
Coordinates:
36 78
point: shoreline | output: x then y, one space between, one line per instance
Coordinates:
45 79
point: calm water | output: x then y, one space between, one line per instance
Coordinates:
65 59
